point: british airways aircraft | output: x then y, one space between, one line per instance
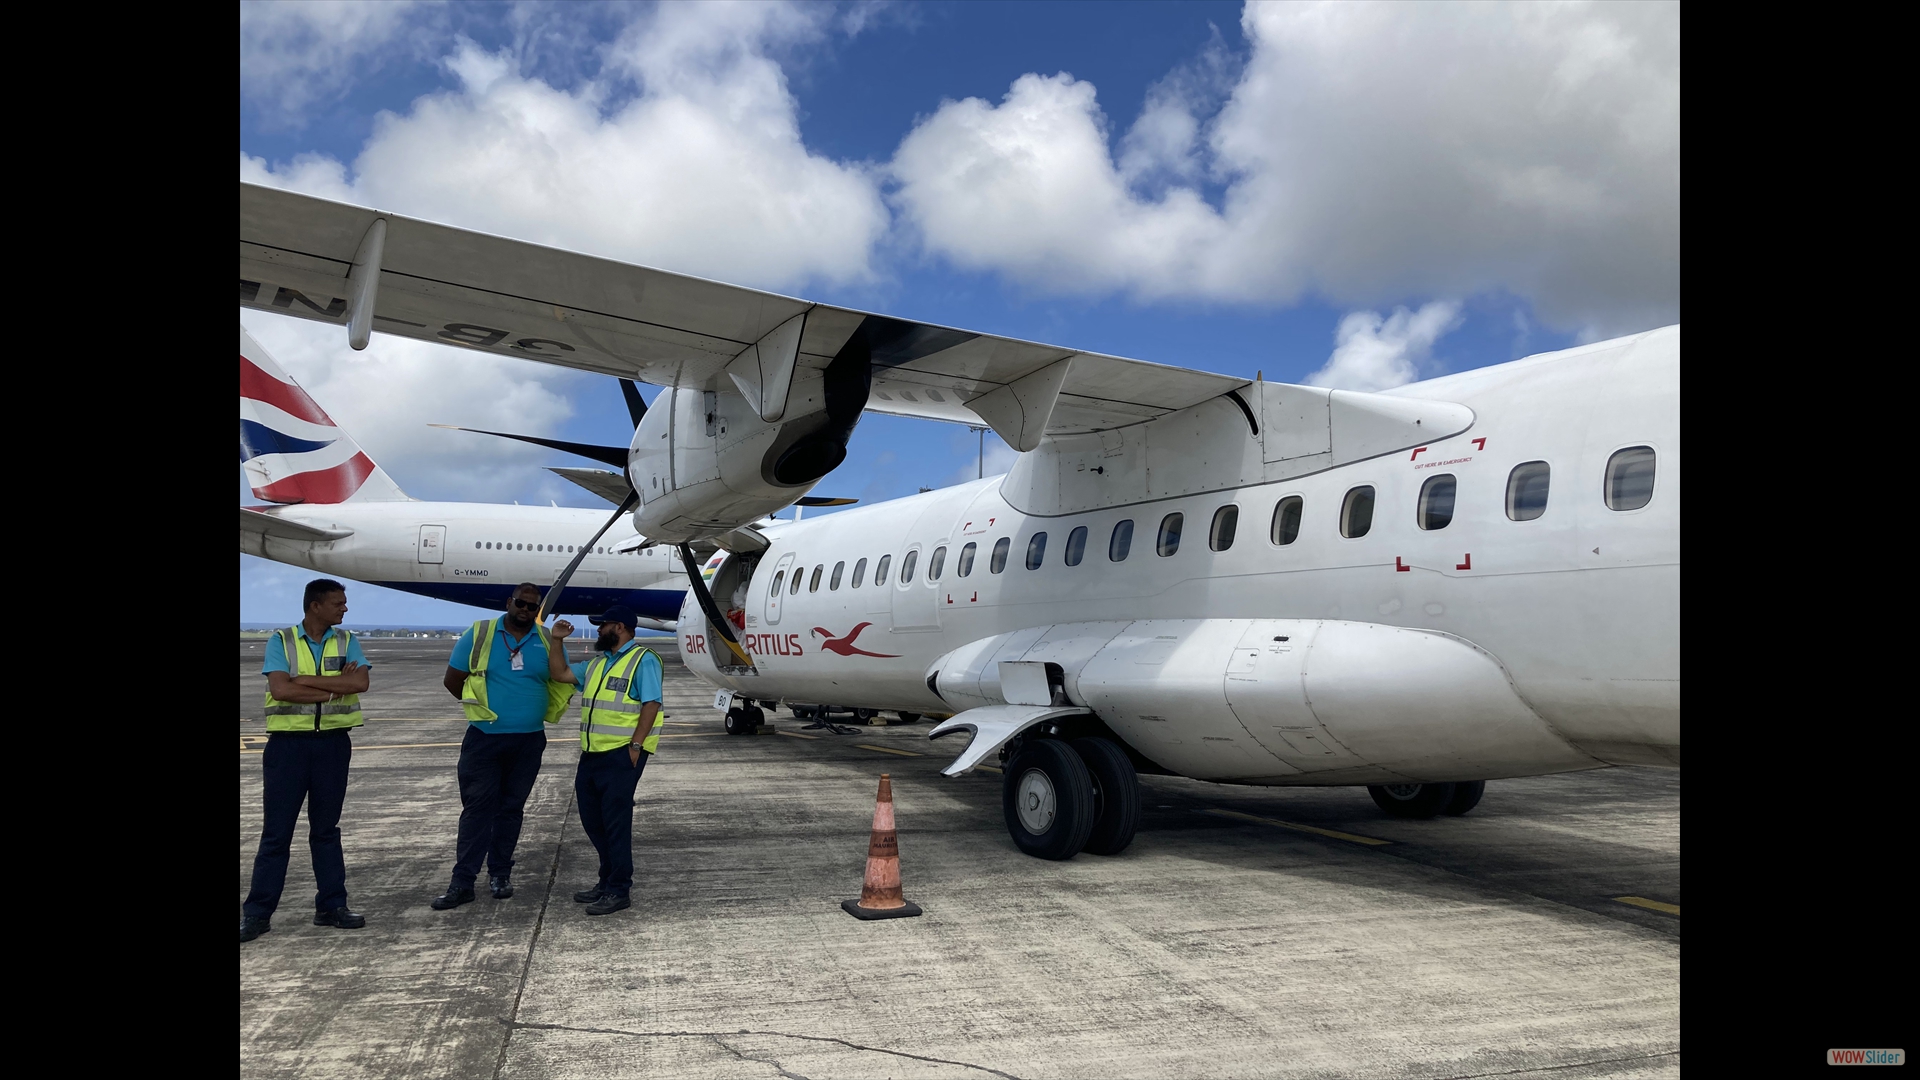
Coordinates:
330 509
1417 591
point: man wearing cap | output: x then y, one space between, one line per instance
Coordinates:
499 674
620 726
315 675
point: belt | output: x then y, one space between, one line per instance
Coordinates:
308 734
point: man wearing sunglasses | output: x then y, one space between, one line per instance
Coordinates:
498 671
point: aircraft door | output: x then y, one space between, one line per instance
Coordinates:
777 587
433 545
915 592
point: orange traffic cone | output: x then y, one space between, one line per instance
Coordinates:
880 893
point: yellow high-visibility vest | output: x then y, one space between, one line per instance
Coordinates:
319 715
608 717
473 692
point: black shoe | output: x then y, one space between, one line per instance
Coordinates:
609 903
339 918
588 896
452 898
501 886
252 926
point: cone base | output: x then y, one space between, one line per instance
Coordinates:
853 908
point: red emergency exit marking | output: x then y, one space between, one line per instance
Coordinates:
1467 564
975 598
1400 566
1416 453
949 598
1480 443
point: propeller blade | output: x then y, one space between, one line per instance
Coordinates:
817 500
612 455
698 585
636 405
553 594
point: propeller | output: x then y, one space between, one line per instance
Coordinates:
698 586
553 594
612 455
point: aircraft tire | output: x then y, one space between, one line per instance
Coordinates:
736 723
1047 797
1466 796
755 718
1116 795
1411 800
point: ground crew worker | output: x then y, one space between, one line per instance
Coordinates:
620 726
315 676
498 672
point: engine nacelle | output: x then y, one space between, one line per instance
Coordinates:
704 462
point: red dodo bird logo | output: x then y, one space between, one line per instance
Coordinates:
844 645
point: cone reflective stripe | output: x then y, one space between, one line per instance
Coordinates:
880 895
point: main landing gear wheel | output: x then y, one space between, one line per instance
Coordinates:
1466 796
1412 800
1116 795
1047 797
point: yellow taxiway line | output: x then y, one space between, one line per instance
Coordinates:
1650 905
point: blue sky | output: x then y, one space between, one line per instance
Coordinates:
1355 196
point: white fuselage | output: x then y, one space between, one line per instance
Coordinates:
1575 612
474 553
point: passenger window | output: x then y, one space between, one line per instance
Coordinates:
476 545
833 584
778 579
1225 521
814 585
880 569
798 576
859 572
1000 549
1076 545
1036 550
1435 509
1286 521
1356 513
1630 478
966 560
937 563
1527 490
1169 541
907 562
1120 542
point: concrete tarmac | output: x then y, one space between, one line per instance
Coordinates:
1247 932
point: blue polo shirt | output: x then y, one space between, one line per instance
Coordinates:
644 688
518 698
276 658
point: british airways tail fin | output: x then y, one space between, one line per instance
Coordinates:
291 450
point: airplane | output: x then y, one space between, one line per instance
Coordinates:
1417 591
330 509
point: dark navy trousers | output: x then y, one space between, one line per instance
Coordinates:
603 786
300 767
496 776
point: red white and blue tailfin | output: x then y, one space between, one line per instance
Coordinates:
291 450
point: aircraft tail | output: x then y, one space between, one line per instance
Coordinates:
291 450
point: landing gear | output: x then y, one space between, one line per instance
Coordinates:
744 720
1466 796
1116 795
1047 797
909 717
1413 800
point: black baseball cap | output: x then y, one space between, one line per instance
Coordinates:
618 613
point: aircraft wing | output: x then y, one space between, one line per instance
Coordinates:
611 486
253 521
310 258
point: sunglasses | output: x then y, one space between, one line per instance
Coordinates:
524 606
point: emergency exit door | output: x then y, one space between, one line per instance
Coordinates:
433 544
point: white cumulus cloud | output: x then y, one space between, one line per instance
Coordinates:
295 54
1365 152
1378 352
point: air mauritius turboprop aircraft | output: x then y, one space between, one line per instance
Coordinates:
332 510
1460 580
